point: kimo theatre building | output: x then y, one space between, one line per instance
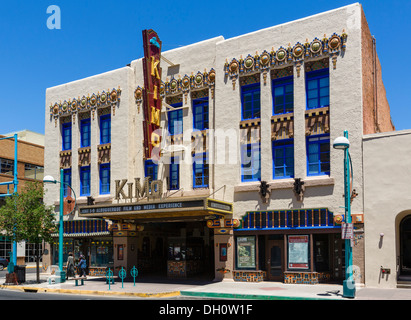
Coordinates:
252 186
171 238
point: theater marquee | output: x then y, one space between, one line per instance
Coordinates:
195 207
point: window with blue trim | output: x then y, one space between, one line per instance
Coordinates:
66 136
150 170
318 155
251 162
175 119
318 89
283 95
85 133
200 170
67 181
105 129
200 114
283 159
174 176
105 178
85 181
250 101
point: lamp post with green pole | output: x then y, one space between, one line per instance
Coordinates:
50 179
342 143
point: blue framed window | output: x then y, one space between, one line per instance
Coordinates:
283 159
318 155
174 179
318 89
105 129
200 170
200 114
85 181
250 101
151 169
105 178
67 181
283 95
175 119
66 136
85 128
250 162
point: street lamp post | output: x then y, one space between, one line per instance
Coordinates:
342 143
50 179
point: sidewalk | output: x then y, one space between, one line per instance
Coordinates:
145 288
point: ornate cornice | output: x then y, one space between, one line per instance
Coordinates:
89 103
296 54
184 85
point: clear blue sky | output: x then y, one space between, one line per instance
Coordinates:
99 36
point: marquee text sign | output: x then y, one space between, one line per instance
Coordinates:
150 189
143 207
160 206
151 91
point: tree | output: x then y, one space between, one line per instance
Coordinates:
24 217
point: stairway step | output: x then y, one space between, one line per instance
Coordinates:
404 284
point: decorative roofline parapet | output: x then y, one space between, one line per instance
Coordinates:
296 54
201 80
89 103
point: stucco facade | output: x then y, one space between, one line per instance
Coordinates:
341 39
386 203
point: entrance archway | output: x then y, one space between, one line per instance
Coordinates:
405 247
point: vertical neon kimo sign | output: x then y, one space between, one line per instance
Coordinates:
151 91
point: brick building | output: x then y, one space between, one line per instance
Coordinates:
30 167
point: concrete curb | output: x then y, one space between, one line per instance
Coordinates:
246 296
92 292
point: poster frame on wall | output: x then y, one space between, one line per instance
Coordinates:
247 245
298 252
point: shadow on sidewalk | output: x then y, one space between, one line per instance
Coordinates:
158 279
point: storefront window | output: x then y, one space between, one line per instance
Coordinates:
176 249
67 247
182 249
101 252
298 252
246 252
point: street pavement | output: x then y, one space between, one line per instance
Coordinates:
165 288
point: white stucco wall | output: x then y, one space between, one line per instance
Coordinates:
387 201
122 138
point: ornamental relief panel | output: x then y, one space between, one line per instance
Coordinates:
317 121
282 127
297 54
84 156
65 159
184 85
85 104
250 131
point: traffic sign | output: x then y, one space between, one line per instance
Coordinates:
347 231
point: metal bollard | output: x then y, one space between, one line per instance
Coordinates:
134 274
122 274
109 274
